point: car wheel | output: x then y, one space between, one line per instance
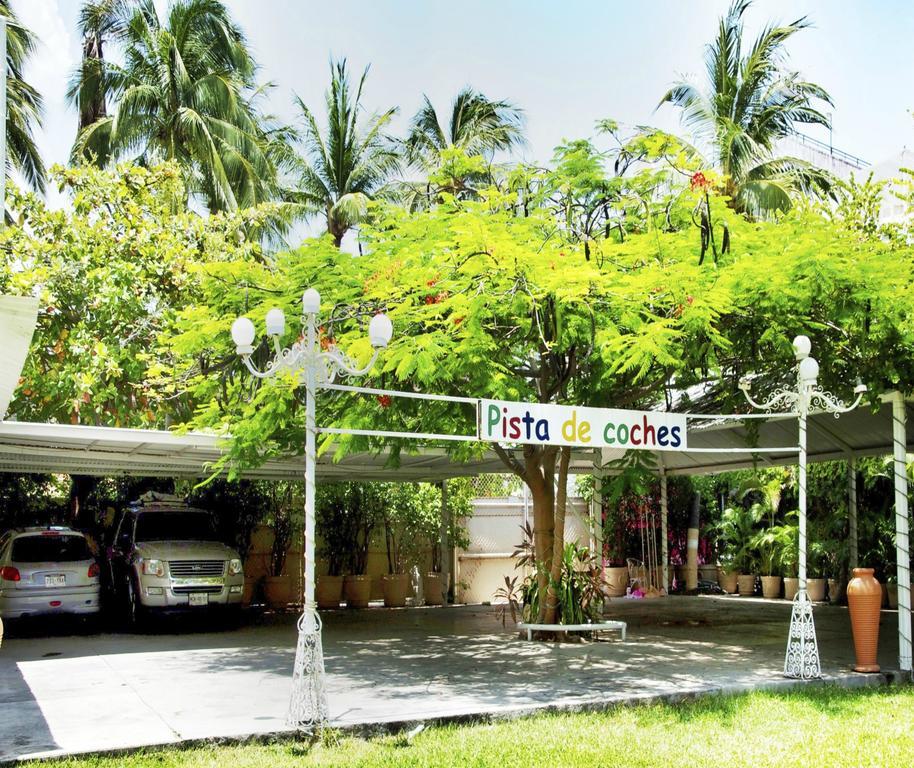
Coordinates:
134 608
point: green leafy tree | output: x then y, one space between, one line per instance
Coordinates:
491 304
184 93
109 272
24 104
348 163
751 102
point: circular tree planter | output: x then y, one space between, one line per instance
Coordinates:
396 588
431 587
771 587
278 591
815 588
864 600
746 583
329 592
616 580
727 581
357 590
791 587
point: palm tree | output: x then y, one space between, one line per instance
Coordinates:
23 103
477 125
99 22
352 162
184 93
750 103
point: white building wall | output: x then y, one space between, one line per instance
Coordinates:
494 531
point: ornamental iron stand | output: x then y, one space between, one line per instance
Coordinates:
802 657
311 366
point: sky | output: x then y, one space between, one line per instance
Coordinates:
567 64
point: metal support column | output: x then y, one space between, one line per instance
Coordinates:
852 512
664 519
899 434
444 536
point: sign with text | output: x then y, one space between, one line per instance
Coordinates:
501 421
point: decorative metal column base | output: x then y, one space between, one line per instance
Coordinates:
308 704
802 659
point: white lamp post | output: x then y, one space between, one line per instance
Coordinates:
312 366
802 658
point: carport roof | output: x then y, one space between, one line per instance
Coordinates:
107 451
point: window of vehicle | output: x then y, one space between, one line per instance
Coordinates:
41 548
175 526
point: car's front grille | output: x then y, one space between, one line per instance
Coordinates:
208 589
187 569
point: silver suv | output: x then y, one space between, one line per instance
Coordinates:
45 571
167 556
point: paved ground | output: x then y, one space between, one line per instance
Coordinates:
73 693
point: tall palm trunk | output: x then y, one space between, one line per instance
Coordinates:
95 107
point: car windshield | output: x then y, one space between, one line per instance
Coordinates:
50 548
174 526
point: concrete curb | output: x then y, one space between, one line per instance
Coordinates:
366 730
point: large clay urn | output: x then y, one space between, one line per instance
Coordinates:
864 599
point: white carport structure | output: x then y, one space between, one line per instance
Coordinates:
714 445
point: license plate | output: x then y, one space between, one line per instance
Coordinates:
55 581
198 598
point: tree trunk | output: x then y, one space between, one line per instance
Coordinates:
558 538
93 108
80 488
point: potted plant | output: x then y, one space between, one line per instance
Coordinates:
402 524
427 536
816 553
736 534
620 495
365 505
777 547
277 585
790 557
332 511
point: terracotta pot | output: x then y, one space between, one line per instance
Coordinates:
431 587
815 588
357 590
707 573
262 540
329 591
771 587
257 565
278 591
791 587
746 582
727 581
864 599
247 592
616 580
835 591
396 588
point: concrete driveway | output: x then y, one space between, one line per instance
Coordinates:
75 693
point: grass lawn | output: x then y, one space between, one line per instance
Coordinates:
815 727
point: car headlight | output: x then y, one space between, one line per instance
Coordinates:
153 567
234 566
